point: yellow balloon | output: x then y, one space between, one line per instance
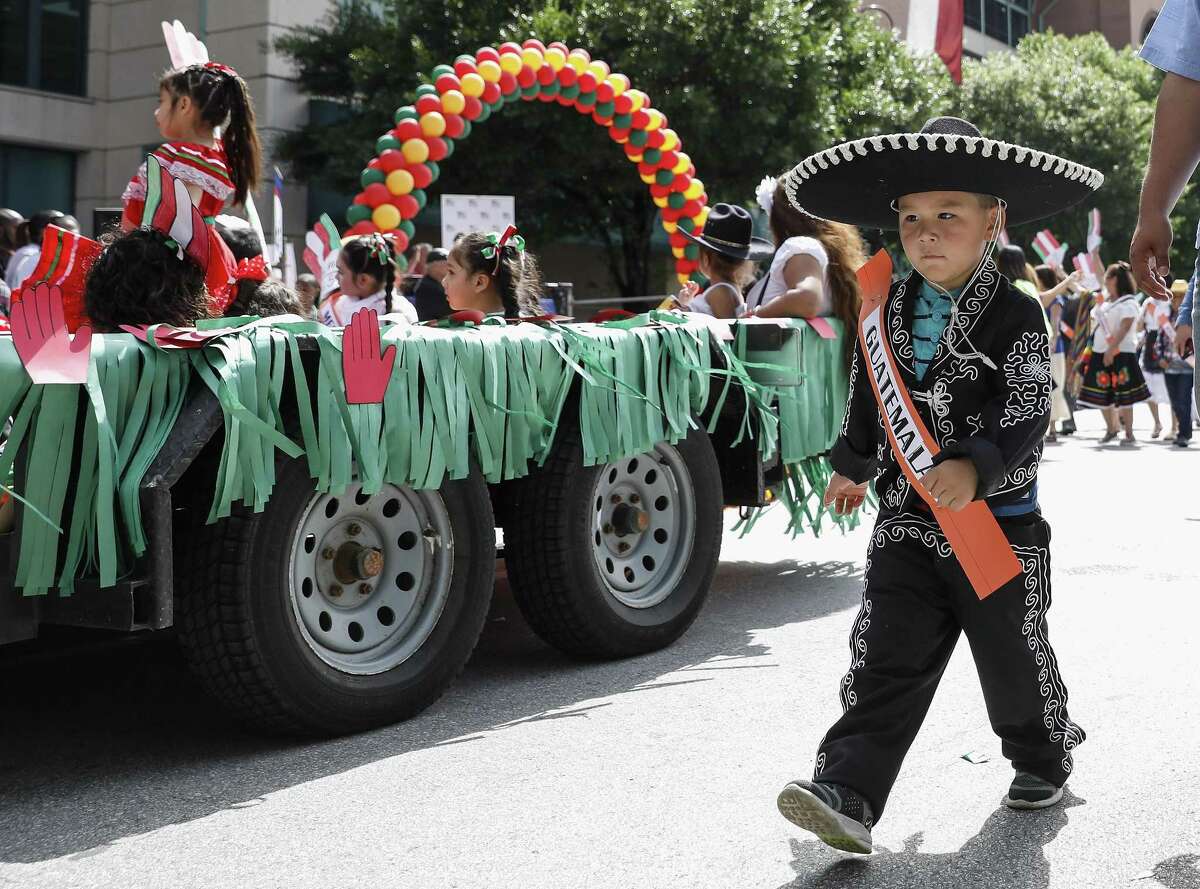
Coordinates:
454 102
636 158
619 83
682 278
599 70
533 58
670 227
433 124
578 61
472 85
660 202
701 217
400 182
638 101
656 119
510 62
694 190
556 58
490 71
681 166
386 217
415 151
649 180
670 140
677 252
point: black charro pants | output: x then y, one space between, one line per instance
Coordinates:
916 600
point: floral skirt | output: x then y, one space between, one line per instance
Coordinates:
1120 384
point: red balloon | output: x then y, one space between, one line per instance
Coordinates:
427 103
407 129
390 159
510 47
587 82
546 75
422 175
373 164
647 169
463 67
655 139
361 198
491 93
583 52
640 119
617 134
487 54
632 151
366 227
668 160
603 121
508 83
534 43
691 170
670 214
563 100
437 148
546 97
567 75
623 103
448 82
399 240
681 182
473 108
407 205
454 126
566 50
604 92
687 266
691 208
675 239
377 194
527 77
659 191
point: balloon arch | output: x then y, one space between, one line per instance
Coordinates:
477 86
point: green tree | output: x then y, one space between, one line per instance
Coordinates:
1079 98
751 86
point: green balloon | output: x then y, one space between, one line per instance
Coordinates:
408 228
465 57
386 141
405 112
357 213
623 121
691 251
449 147
434 170
531 92
440 70
402 262
552 88
639 138
514 96
608 109
467 127
420 197
570 92
427 89
651 156
662 177
370 176
497 105
484 112
676 200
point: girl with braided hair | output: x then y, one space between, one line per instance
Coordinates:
193 103
494 274
367 267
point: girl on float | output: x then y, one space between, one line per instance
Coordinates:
728 252
493 273
813 269
366 268
193 102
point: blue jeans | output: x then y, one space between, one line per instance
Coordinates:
1179 388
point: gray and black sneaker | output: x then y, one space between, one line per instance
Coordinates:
836 814
1031 792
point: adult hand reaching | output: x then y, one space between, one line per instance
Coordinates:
1150 255
39 332
365 370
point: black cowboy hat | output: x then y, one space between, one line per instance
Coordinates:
728 230
858 182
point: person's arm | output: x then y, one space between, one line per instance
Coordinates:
805 295
1048 296
1014 421
1056 313
1114 341
1183 323
1174 153
723 301
853 455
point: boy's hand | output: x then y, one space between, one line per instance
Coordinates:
687 293
844 495
1110 356
952 483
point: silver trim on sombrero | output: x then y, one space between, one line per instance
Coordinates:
848 151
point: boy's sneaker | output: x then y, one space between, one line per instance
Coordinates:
836 814
1031 792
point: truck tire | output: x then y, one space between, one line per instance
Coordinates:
615 560
324 614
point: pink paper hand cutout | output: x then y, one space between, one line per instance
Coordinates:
365 370
39 331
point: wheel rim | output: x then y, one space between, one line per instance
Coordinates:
643 525
370 575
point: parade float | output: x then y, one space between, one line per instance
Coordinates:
316 511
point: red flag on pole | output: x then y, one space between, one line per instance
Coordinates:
936 26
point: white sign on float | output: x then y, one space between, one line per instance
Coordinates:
462 213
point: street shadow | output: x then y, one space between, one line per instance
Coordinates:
1179 872
115 738
1009 850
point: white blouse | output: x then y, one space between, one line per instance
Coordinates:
775 284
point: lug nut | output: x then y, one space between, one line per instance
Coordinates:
634 498
335 591
354 529
622 547
364 589
616 498
328 553
607 529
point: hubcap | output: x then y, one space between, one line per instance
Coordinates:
643 525
370 575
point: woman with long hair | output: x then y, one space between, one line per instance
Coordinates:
1113 381
813 270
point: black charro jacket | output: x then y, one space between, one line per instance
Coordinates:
994 417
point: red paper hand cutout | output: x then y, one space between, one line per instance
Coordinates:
39 331
169 337
366 371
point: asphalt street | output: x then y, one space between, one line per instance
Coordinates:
660 771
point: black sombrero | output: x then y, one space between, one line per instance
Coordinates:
857 182
729 230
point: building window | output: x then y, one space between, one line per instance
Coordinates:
43 45
1005 20
33 179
